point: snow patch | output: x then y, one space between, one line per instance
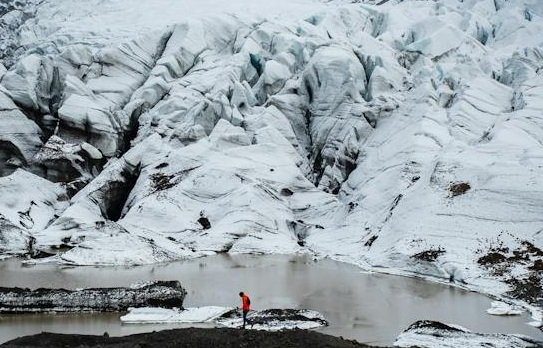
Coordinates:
175 315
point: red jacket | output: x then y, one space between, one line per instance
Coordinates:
245 303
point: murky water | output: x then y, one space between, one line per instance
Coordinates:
372 308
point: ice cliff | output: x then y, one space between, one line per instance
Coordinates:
400 135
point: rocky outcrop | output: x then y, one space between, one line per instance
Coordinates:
73 164
157 294
274 319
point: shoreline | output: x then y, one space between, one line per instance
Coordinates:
190 337
234 265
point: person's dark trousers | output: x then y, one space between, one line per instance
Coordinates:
244 318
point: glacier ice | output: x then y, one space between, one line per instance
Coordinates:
341 129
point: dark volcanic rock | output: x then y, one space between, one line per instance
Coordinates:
277 314
191 337
274 319
154 294
432 325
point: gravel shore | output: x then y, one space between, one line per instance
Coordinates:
190 337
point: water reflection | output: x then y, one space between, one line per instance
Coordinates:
366 307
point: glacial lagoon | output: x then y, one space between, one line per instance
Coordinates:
371 308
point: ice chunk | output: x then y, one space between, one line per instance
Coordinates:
502 308
174 315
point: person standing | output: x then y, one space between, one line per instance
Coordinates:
245 306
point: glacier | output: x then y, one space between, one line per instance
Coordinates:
401 136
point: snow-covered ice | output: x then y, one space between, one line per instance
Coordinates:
427 334
502 308
401 136
173 315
